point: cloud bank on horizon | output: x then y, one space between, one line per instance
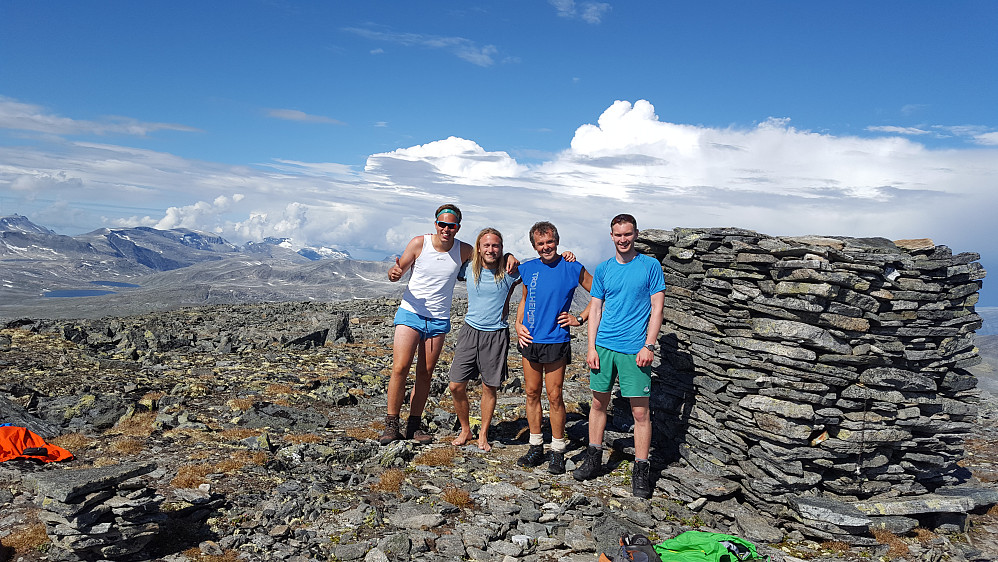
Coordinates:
772 178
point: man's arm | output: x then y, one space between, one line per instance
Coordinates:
586 279
509 293
595 314
466 251
405 261
511 264
566 319
645 356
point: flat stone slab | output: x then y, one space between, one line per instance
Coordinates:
980 496
69 485
926 503
831 511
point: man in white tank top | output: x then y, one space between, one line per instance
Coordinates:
423 319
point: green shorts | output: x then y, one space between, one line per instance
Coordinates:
635 382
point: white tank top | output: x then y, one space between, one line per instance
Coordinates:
431 286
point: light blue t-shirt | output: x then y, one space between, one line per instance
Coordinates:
486 299
550 288
626 290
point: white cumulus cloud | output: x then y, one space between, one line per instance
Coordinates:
771 177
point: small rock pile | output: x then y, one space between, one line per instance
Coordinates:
809 367
98 513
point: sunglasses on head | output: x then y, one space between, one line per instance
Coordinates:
443 224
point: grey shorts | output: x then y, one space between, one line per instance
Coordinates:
480 353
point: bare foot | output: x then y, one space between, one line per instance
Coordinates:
483 444
461 439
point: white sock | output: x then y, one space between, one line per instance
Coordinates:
536 439
559 444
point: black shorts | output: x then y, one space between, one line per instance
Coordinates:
546 353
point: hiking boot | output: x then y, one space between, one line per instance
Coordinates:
591 464
534 457
641 479
391 432
556 465
415 432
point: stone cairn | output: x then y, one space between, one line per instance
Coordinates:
819 379
98 513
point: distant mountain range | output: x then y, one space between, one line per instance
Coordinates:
142 269
990 316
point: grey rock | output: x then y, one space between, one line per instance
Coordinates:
71 485
12 413
830 511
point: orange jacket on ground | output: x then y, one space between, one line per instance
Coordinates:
14 440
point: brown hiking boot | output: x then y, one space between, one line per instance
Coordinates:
391 432
415 432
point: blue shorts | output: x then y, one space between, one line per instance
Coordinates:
427 327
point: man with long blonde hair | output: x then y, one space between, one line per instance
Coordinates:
483 342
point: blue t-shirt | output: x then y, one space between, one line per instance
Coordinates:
486 299
626 290
550 288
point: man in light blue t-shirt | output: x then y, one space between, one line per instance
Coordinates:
625 316
483 342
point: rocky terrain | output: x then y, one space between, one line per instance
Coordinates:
247 432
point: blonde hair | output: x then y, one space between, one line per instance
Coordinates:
476 257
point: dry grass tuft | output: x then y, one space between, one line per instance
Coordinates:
239 433
835 546
30 537
191 435
898 548
278 390
151 397
240 404
105 461
228 466
258 458
302 438
362 433
192 475
139 424
457 496
390 481
73 441
441 456
127 445
195 555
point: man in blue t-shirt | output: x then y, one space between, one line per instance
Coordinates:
483 342
542 322
625 316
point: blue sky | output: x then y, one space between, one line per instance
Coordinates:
346 123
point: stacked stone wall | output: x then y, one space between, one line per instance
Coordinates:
813 367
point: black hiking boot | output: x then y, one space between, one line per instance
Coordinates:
591 464
414 431
534 457
641 479
556 464
391 432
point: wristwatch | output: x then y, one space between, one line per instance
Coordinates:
580 319
651 347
